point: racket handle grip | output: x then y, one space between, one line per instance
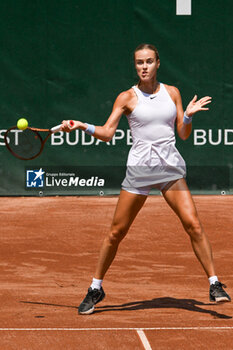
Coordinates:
58 127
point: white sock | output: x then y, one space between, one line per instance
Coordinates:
213 279
96 284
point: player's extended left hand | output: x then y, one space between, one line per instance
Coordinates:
195 105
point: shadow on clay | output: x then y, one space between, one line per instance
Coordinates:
157 303
163 303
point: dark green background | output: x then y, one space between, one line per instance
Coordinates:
69 59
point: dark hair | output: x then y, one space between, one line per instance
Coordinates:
147 46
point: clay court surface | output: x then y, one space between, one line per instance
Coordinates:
156 291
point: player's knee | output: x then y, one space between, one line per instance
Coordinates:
116 235
194 229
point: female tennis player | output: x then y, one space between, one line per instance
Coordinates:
152 109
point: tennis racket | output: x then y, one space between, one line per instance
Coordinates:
28 144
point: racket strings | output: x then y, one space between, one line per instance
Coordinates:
24 144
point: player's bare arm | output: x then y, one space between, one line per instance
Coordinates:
122 105
194 106
183 130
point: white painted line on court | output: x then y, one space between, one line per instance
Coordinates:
144 340
118 329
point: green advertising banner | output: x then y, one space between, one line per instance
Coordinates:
69 59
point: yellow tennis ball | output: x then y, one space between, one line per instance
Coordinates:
22 124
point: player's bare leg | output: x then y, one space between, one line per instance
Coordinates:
127 208
180 200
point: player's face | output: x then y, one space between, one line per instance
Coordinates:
146 64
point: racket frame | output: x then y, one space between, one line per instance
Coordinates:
36 131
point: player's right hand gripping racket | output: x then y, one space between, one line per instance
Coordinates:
28 144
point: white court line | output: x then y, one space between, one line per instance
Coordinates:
144 340
117 329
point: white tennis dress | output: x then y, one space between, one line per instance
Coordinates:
153 158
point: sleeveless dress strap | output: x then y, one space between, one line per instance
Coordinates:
137 92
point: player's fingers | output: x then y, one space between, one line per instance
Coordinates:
204 99
65 126
65 122
194 98
205 103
